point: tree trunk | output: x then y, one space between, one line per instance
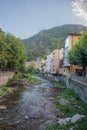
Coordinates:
84 71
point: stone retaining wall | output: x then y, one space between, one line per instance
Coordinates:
56 78
78 87
5 77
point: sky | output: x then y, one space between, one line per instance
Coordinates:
25 18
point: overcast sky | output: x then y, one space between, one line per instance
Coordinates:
24 18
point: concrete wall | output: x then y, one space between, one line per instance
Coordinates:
78 87
4 77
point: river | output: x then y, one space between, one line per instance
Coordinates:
29 109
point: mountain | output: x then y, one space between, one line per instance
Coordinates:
45 41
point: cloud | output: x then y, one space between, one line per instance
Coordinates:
80 8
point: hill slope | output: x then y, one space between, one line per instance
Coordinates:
47 40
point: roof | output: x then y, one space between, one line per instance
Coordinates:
73 34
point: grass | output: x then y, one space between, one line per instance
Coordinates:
74 105
58 127
5 89
60 85
29 78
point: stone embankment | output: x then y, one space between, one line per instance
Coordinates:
18 82
80 87
5 77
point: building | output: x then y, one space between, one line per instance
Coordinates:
48 63
39 64
54 62
70 41
57 61
60 65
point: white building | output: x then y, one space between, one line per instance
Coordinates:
48 63
66 50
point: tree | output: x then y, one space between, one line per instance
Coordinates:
12 52
3 46
16 52
78 54
31 69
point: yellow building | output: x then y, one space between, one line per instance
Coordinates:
70 41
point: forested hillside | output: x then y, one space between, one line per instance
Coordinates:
47 40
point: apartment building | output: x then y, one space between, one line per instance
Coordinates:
60 65
54 62
48 63
57 61
70 41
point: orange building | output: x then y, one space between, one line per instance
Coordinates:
70 41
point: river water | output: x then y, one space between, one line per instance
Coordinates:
29 109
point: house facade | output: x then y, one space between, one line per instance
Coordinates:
39 64
48 63
54 62
70 41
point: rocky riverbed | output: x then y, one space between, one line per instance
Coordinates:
29 109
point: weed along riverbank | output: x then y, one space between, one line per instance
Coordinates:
72 111
16 83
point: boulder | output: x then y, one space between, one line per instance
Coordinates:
2 107
26 117
77 118
1 119
68 119
63 101
62 122
72 128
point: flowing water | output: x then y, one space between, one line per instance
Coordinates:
29 109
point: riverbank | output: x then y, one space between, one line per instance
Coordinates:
30 109
68 104
18 82
43 107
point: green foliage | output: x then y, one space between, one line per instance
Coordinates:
60 85
5 89
74 105
3 45
31 69
46 41
12 52
30 79
59 127
57 42
78 54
